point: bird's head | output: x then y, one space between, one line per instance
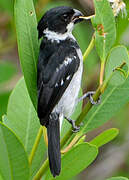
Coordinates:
59 20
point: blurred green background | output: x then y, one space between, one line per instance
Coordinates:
114 157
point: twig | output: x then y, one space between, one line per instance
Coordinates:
41 171
102 72
89 49
40 132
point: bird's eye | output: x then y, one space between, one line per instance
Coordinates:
64 15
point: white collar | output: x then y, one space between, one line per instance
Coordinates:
54 36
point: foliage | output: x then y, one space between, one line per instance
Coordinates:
76 159
104 137
24 122
7 71
27 37
105 31
18 130
13 159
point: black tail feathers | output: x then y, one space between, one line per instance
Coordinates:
53 133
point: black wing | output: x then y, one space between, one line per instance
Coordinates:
54 76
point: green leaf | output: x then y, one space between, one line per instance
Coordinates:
7 71
117 56
3 103
118 178
81 140
105 137
113 99
75 160
13 158
23 120
4 118
27 37
80 32
105 31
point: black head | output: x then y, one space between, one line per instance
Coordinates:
57 20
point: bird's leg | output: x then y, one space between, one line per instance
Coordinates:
89 95
75 128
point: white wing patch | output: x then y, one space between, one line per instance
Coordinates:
56 85
68 77
67 61
57 69
62 82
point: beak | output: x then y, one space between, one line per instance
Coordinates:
87 17
76 16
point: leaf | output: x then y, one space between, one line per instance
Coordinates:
7 71
81 140
23 120
27 37
118 178
105 137
3 103
75 160
113 99
117 56
104 24
4 118
13 158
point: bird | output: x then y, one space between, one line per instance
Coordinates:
59 74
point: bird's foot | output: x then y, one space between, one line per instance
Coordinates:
75 128
90 96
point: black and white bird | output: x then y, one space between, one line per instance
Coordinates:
60 67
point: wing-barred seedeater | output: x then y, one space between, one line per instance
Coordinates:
59 74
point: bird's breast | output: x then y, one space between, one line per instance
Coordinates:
67 103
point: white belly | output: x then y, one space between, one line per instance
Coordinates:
67 103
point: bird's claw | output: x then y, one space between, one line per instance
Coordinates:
72 122
76 129
92 100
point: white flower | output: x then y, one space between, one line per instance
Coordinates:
117 6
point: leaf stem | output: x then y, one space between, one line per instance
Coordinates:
45 135
41 171
37 140
72 143
102 72
90 47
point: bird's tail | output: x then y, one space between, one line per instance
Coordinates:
53 133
